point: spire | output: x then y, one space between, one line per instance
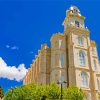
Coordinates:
74 10
73 18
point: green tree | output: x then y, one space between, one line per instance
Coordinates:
53 91
1 92
73 93
40 92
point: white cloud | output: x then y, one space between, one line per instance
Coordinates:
12 47
7 46
12 72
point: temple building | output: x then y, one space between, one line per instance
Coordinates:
72 57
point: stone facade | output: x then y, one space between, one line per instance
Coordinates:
72 58
1 98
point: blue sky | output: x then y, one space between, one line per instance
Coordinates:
25 25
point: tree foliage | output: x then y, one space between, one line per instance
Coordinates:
39 92
73 93
1 92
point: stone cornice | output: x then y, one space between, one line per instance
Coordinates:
71 16
82 48
86 89
98 74
83 68
57 68
76 15
74 29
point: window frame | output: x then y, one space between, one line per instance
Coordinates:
61 43
80 40
82 59
84 79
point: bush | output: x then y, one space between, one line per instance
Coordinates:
40 92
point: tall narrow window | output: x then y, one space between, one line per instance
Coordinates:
84 78
94 64
80 41
77 23
61 43
62 60
82 58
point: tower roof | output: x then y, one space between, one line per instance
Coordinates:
74 10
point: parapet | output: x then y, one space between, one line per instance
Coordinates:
44 46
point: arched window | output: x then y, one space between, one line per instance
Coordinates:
82 58
62 60
80 41
94 64
84 78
